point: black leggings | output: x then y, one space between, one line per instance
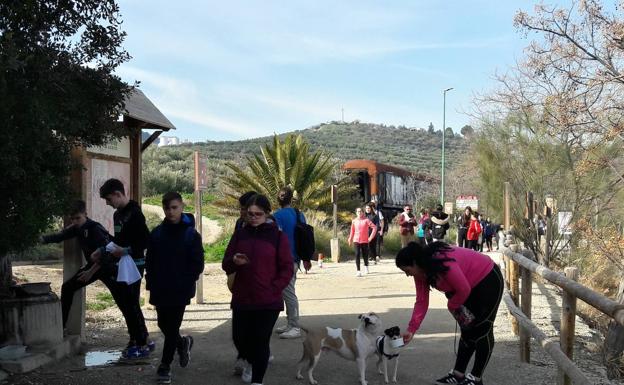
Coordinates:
461 237
251 330
169 321
483 302
361 249
372 247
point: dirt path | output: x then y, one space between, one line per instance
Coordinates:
328 296
211 229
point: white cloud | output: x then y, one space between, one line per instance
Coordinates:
181 99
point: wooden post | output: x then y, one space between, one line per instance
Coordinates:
515 291
72 253
507 219
200 171
525 299
568 316
334 243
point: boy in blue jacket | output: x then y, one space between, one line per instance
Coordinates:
174 262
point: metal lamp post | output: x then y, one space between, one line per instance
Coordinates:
443 142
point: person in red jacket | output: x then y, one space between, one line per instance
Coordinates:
474 230
259 254
407 221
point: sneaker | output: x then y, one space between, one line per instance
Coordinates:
131 345
365 270
246 376
164 374
185 351
137 352
470 380
151 345
282 329
292 333
450 378
239 366
358 274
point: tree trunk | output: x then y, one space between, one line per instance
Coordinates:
6 276
614 342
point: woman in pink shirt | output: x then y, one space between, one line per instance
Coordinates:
360 236
473 285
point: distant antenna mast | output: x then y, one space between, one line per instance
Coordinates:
342 109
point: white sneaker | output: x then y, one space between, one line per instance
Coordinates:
282 329
358 274
365 270
239 366
246 376
292 333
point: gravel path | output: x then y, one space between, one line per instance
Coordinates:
328 296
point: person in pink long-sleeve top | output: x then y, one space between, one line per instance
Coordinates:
473 285
360 236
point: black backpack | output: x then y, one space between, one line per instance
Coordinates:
304 239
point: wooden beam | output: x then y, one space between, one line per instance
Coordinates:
550 346
606 305
150 140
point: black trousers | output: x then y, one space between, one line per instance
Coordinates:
251 331
483 302
472 244
72 285
372 247
169 321
461 237
361 250
126 297
379 243
130 307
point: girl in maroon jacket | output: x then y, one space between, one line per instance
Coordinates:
259 254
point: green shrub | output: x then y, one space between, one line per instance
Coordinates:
102 301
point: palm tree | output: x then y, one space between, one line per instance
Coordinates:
288 163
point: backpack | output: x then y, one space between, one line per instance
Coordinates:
304 239
420 233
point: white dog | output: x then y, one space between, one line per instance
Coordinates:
355 345
388 347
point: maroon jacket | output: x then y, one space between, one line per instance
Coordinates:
259 284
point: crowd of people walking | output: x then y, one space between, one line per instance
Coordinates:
261 262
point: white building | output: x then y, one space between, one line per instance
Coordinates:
168 141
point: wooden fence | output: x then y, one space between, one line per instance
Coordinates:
518 265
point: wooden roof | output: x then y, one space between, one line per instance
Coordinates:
140 108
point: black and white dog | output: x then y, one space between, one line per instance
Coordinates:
388 346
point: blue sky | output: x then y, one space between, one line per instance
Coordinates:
242 69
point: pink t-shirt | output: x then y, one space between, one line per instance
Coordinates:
465 272
359 230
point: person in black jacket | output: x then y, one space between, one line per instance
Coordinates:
439 224
131 234
174 262
91 235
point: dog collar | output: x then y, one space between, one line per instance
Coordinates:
380 348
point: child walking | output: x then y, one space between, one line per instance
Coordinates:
174 262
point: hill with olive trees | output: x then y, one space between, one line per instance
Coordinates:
415 149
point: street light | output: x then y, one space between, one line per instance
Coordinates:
443 140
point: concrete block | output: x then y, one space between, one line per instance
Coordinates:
26 364
41 355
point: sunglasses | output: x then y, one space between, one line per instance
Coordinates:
255 213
